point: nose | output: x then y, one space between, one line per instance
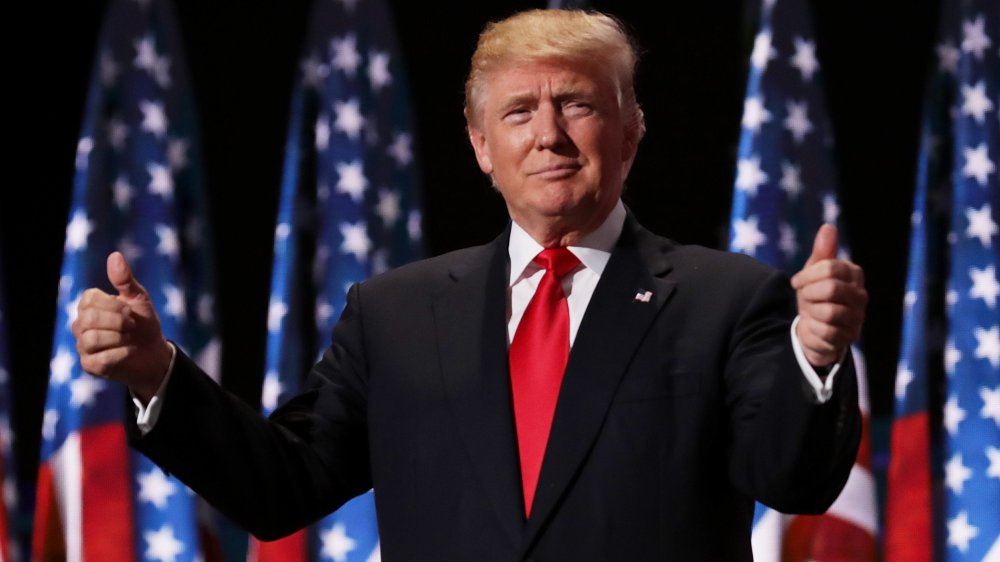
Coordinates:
549 131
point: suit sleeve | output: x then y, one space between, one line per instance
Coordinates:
789 451
272 476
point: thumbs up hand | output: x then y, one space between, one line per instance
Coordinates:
119 336
831 299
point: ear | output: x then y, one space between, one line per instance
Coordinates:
630 142
482 149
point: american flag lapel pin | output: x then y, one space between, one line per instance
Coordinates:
643 296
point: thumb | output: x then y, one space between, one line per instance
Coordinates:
825 245
120 275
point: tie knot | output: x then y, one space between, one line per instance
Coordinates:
559 261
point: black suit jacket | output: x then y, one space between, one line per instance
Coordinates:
673 416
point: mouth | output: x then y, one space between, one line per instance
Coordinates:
556 171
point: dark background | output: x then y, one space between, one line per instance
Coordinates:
243 55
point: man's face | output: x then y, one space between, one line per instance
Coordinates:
554 139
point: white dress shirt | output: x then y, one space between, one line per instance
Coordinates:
593 251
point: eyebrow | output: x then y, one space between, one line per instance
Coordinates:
567 93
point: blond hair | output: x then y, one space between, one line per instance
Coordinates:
564 35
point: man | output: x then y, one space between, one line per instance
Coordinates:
579 389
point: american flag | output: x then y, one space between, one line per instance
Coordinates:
944 485
349 209
785 189
136 189
9 548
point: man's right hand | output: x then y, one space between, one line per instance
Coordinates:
119 337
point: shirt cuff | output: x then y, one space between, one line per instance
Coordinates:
823 386
146 416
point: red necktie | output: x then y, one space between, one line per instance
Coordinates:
538 357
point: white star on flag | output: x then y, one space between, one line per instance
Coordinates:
271 391
904 376
108 70
145 55
960 532
154 120
169 244
831 210
130 249
61 366
83 390
754 113
177 154
356 240
804 58
155 488
349 119
749 176
313 71
161 182
378 70
49 420
206 309
951 357
324 310
117 133
83 148
993 454
336 543
984 285
276 312
991 404
746 236
953 415
762 50
162 72
282 231
72 310
400 149
988 346
948 57
175 305
956 474
791 180
975 102
352 180
974 38
322 133
787 242
345 54
414 222
798 122
388 207
977 163
77 231
162 545
123 193
981 224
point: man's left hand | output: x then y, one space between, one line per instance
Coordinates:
831 298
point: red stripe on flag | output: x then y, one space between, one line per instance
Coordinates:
289 549
47 536
865 449
909 532
827 538
108 529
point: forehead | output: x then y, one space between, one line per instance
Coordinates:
538 77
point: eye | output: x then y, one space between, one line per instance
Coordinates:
517 115
577 108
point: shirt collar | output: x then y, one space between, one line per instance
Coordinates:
593 250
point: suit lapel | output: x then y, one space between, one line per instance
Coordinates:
470 319
615 323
